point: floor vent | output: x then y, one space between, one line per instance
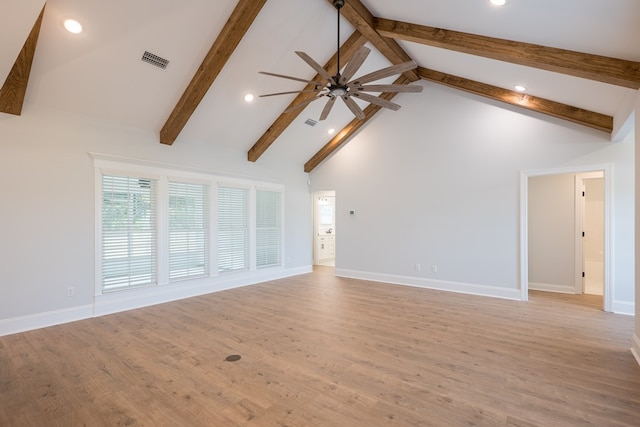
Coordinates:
310 122
155 60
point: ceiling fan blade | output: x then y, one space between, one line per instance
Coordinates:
302 104
313 64
287 93
292 78
389 88
354 64
386 72
327 108
355 109
377 101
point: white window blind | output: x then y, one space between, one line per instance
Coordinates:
233 233
268 232
128 232
188 231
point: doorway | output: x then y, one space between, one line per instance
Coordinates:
565 232
592 219
324 228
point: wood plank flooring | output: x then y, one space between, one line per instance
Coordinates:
324 351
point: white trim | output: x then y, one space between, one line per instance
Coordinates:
635 347
137 298
524 237
30 322
197 173
624 307
129 299
550 287
607 168
578 240
441 285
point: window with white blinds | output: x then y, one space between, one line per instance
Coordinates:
188 230
233 229
128 232
268 229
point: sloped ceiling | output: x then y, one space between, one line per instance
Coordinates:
99 72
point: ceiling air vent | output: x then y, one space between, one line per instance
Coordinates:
152 59
310 122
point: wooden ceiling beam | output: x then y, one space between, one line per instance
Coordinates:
566 112
594 67
353 43
363 21
351 129
232 33
14 89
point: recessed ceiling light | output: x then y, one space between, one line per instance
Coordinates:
498 2
520 88
73 26
331 131
248 97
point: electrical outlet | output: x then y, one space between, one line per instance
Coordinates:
70 291
434 268
418 267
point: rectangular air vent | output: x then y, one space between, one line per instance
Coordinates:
310 122
155 60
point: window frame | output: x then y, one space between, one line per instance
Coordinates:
163 174
206 228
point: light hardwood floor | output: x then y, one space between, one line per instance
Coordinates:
323 351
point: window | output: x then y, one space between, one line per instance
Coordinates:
268 231
233 232
128 232
159 226
188 231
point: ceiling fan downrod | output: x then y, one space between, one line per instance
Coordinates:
338 89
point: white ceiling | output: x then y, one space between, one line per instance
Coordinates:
99 73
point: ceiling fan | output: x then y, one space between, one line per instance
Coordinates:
341 86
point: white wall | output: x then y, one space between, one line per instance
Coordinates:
551 220
437 183
47 221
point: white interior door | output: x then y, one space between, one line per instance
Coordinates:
593 239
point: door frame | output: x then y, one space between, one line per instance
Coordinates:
607 170
579 223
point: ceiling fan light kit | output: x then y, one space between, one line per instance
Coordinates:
341 86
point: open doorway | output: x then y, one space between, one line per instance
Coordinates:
324 228
591 187
564 229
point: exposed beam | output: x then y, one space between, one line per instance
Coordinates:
577 115
363 21
348 131
355 41
594 67
234 30
14 89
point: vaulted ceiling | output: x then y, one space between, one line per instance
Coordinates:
578 59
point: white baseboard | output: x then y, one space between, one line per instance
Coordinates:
30 322
549 287
635 347
442 285
137 298
624 307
